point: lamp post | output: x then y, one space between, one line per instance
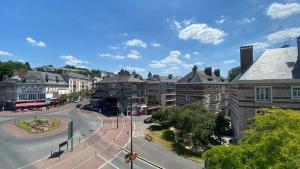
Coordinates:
131 130
118 109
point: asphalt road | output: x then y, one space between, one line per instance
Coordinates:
151 152
16 152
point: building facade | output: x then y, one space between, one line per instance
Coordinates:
161 91
77 82
123 91
33 90
205 86
273 80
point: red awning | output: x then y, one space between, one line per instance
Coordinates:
31 104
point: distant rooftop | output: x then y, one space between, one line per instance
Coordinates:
199 76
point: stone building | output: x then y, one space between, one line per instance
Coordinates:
205 86
123 91
161 91
272 80
35 89
77 82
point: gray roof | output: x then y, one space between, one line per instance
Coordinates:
76 75
164 79
201 77
41 77
121 78
274 64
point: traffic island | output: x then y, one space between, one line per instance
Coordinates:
39 126
36 127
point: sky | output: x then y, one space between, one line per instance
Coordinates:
163 37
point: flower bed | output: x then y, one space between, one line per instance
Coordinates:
37 126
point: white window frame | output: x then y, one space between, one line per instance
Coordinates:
292 93
264 101
187 97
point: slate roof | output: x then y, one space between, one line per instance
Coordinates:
40 77
121 79
76 75
164 79
201 77
274 64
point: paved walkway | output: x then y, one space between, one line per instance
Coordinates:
94 152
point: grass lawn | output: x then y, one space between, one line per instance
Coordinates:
166 138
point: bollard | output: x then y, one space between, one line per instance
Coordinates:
79 140
51 153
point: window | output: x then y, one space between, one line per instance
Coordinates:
296 92
263 94
187 97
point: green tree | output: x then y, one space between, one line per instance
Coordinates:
194 125
272 142
233 73
7 68
222 126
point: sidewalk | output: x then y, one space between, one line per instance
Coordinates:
95 151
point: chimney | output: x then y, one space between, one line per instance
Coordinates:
170 76
298 47
149 76
246 57
217 72
208 71
195 68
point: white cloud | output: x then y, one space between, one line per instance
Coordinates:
221 20
124 34
114 47
246 20
277 37
71 60
203 33
187 21
196 53
137 69
229 61
35 42
155 44
283 35
172 63
109 55
177 25
136 42
3 53
133 54
279 10
260 45
187 56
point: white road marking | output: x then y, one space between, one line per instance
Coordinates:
71 156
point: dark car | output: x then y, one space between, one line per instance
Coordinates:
78 105
148 120
155 127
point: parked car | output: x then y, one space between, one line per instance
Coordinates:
165 123
155 127
148 120
78 105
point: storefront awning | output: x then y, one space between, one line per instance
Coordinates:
30 104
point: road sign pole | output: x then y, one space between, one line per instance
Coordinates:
131 132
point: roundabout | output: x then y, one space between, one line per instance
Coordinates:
27 138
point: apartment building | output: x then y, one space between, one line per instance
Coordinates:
205 86
77 82
161 91
124 91
35 89
272 80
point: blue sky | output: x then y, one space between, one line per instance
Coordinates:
146 35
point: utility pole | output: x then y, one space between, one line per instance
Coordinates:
118 114
131 131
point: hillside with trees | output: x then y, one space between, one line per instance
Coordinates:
7 68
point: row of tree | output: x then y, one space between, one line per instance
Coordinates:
272 142
76 95
194 125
